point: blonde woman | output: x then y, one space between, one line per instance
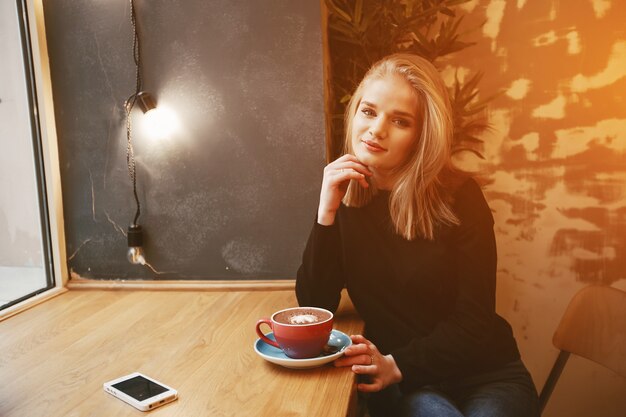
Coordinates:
412 241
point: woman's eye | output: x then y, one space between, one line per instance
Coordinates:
367 112
402 122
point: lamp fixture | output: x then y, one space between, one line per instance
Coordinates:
135 253
146 102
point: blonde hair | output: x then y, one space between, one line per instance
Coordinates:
418 201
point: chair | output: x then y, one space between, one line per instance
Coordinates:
593 327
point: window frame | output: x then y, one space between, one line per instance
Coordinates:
45 146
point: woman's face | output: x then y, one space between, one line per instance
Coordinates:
386 126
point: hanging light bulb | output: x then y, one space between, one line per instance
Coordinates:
158 122
147 104
135 242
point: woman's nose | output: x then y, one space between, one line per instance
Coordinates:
378 128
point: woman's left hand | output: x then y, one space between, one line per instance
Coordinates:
365 359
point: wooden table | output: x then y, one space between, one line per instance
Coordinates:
55 356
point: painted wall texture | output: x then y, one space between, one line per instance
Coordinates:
232 192
556 166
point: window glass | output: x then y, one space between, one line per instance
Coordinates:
24 246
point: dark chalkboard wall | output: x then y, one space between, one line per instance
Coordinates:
233 193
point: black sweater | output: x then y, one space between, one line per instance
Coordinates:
430 303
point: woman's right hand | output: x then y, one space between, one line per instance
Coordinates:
337 176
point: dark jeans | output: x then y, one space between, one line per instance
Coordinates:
506 392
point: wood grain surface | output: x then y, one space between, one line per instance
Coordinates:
55 357
594 327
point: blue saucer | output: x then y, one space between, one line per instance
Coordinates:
337 343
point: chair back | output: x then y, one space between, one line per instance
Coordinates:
594 327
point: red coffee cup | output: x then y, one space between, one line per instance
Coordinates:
300 332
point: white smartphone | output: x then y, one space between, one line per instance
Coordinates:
140 391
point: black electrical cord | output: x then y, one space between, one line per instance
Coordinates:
129 104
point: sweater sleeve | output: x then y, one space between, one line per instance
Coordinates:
320 279
457 341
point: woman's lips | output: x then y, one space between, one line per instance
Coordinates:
373 146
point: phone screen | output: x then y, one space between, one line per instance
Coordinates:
140 388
